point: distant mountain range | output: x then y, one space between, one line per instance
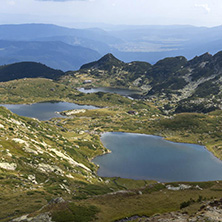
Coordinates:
175 83
58 47
68 48
58 55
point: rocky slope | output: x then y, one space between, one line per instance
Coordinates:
37 155
178 84
209 211
40 161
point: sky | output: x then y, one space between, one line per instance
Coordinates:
125 12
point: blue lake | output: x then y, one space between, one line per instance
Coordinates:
139 156
44 111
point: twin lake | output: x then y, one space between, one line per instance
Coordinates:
138 156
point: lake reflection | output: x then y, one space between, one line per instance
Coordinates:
138 156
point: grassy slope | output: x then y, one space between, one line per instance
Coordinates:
195 128
103 79
40 142
154 200
33 90
203 129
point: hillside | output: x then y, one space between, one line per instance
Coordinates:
27 70
176 83
36 160
111 71
42 161
46 172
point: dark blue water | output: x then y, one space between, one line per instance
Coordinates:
44 111
139 156
122 92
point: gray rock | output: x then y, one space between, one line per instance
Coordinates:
57 200
45 217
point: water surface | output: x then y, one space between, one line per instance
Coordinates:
44 111
139 156
122 92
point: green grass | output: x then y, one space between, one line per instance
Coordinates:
69 212
33 90
93 189
86 189
160 200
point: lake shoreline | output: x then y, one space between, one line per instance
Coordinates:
44 111
152 178
164 138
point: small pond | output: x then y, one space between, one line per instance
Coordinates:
139 156
45 110
122 92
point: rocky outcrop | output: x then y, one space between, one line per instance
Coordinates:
8 166
72 112
209 212
172 81
57 200
45 217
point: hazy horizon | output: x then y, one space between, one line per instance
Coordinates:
104 26
101 13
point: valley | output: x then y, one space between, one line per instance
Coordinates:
45 160
68 48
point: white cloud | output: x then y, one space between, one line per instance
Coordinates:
203 6
142 12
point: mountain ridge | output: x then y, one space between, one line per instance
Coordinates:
106 62
140 43
180 84
28 70
55 54
176 80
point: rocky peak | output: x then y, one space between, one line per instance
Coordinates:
197 60
217 59
107 62
109 58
